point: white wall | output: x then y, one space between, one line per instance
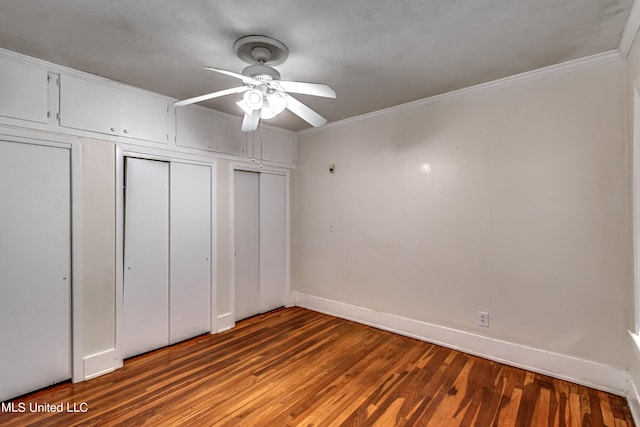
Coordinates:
224 280
524 214
98 243
632 82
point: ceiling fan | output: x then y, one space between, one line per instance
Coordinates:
265 95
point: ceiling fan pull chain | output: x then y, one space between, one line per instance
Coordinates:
260 144
253 147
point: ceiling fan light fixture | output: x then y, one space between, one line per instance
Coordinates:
244 107
275 104
253 99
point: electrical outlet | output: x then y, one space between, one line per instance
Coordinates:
483 319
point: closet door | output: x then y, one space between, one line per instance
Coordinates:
247 244
272 241
35 263
190 296
146 257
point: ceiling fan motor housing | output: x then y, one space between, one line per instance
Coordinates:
258 71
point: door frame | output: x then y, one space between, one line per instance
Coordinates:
227 320
75 183
147 153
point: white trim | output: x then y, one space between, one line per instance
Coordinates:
580 371
213 249
37 136
77 285
224 322
633 396
635 197
633 399
541 73
287 249
101 363
630 30
119 239
231 235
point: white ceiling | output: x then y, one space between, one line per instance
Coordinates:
374 53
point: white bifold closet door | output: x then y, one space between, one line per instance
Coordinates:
272 241
190 229
259 223
167 254
145 299
247 244
35 267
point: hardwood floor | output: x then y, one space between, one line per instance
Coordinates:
296 367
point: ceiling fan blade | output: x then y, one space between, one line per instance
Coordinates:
315 89
304 112
211 96
250 121
245 79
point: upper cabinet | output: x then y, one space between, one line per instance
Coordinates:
102 107
23 91
204 129
278 146
46 96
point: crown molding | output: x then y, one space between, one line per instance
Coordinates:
541 73
630 30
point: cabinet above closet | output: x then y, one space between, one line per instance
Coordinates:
101 107
42 96
272 146
23 91
205 129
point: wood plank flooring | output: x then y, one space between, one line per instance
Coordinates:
295 367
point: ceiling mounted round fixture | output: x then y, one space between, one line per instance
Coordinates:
265 94
261 50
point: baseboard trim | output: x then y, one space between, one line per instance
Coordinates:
633 398
580 371
101 363
224 323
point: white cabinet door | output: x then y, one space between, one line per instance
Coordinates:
247 244
204 129
278 147
35 265
104 108
23 91
89 105
272 241
144 116
190 228
146 257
